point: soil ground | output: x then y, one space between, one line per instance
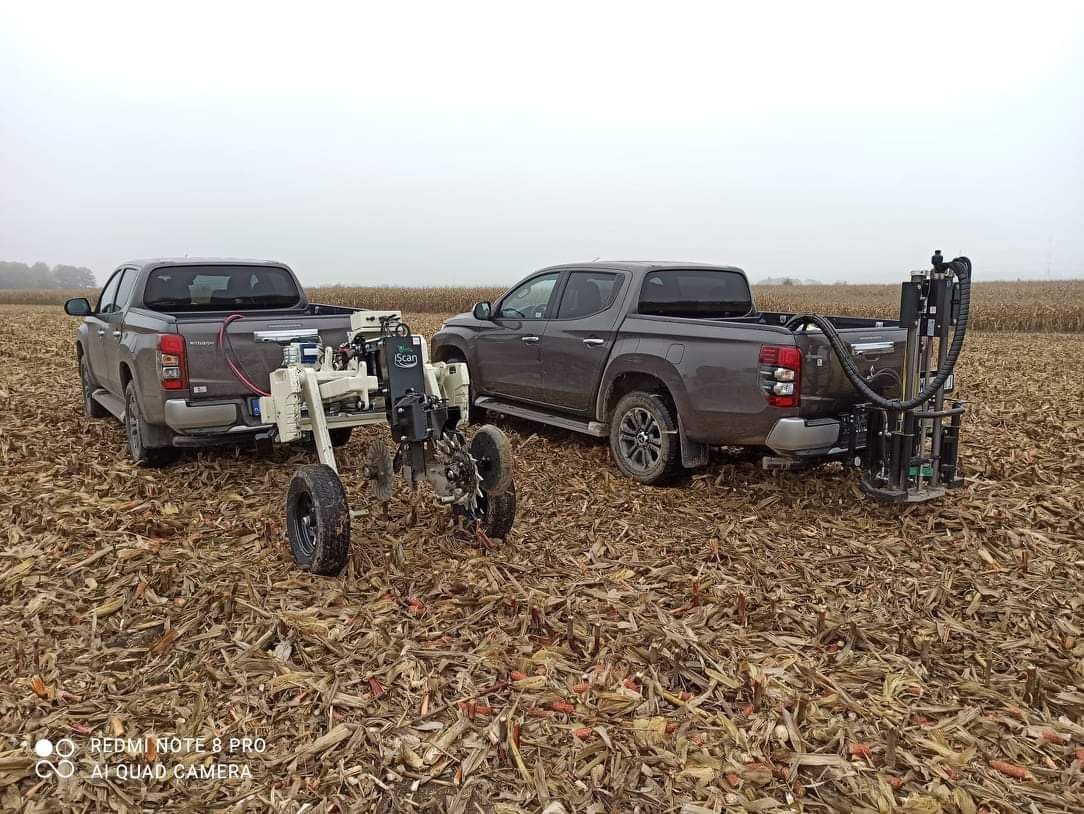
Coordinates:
739 641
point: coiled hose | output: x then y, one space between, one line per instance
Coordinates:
961 268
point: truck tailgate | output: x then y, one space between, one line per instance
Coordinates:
825 389
255 351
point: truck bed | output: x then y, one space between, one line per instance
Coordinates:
825 388
253 342
720 400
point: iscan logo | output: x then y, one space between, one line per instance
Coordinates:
406 358
61 751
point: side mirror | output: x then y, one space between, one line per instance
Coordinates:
78 307
483 311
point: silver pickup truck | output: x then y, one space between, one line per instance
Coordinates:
151 352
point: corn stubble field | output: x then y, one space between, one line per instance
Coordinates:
741 641
1045 305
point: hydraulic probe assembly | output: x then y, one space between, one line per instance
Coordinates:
912 442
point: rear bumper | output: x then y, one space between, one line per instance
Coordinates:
211 425
234 435
805 437
181 416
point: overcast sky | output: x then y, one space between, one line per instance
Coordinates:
407 143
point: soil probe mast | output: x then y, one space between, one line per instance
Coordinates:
913 442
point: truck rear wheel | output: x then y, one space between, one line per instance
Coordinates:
91 408
340 436
644 438
318 520
136 430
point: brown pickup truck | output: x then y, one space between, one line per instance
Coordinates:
667 360
150 351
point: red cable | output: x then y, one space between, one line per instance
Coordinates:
241 377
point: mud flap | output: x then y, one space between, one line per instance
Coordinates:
693 453
156 436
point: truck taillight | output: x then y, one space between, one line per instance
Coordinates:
780 373
172 362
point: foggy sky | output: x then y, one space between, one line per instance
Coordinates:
471 143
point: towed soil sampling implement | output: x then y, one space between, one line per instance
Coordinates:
382 374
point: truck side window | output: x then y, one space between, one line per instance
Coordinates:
588 292
109 293
124 290
530 300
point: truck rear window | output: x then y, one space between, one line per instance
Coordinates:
219 288
695 293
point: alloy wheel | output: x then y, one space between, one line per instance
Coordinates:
640 439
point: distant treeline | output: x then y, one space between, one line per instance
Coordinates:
39 275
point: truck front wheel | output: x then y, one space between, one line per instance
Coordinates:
136 430
644 438
318 520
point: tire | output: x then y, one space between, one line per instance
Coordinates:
91 408
644 438
340 436
493 452
318 520
135 429
496 513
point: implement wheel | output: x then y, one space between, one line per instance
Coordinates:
492 452
318 520
493 513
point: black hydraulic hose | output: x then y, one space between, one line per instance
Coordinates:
961 267
887 373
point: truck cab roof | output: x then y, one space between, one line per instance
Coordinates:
642 265
157 262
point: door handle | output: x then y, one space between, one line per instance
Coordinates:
116 334
101 332
594 341
530 340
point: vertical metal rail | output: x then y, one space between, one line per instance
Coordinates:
912 309
926 337
943 303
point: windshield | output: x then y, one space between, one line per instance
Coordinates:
695 293
219 288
